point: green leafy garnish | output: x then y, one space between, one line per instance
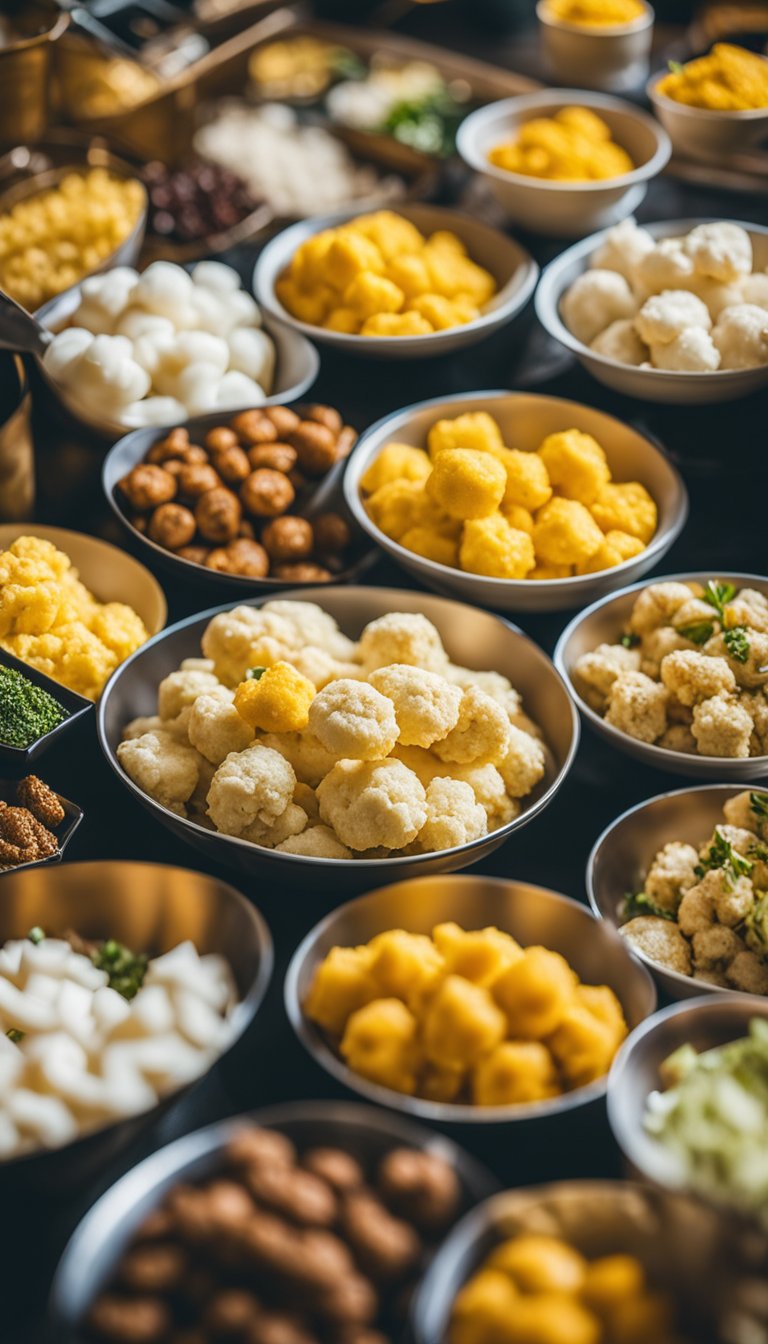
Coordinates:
675 67
15 1035
737 643
36 935
717 594
255 673
344 64
125 969
757 926
428 124
758 803
630 641
698 633
723 855
640 904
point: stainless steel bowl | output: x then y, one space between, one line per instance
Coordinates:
636 1072
513 269
144 905
533 915
684 389
93 1252
621 857
525 419
472 638
603 623
715 1275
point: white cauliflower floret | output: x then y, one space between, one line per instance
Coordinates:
306 799
423 763
291 822
694 612
671 874
655 646
215 728
692 677
691 351
524 764
247 637
595 300
198 799
426 705
182 688
741 336
623 248
252 785
656 605
598 669
314 626
320 667
660 941
308 757
493 683
738 811
146 723
722 727
402 637
715 947
748 973
482 733
196 665
488 787
663 316
637 706
667 266
621 342
696 910
756 705
162 767
454 817
754 289
720 250
735 902
354 721
317 842
678 737
749 672
372 803
748 607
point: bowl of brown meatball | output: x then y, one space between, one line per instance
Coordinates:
249 500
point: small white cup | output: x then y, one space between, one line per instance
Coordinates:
611 58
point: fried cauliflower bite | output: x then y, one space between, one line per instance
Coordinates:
748 607
671 874
307 756
476 430
454 817
656 605
659 940
722 727
290 823
741 336
690 351
637 706
488 787
491 547
565 533
528 485
380 1043
255 785
750 672
215 728
738 811
621 342
313 626
696 910
246 637
615 549
576 465
354 721
715 947
720 250
402 637
372 803
756 705
678 737
625 508
524 764
667 266
182 688
482 733
596 299
655 646
397 507
691 676
164 768
663 316
466 484
496 685
432 545
753 289
426 705
277 701
316 842
596 671
746 972
623 248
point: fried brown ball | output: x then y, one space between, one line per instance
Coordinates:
220 438
228 1203
196 479
155 1268
283 418
242 556
295 1194
132 1320
231 1312
173 443
277 456
218 514
254 1146
197 554
266 494
342 1171
276 1327
174 466
304 572
419 1186
385 1247
288 538
315 446
193 453
146 486
254 427
324 415
232 464
139 521
246 529
346 441
323 1258
172 526
351 1300
332 533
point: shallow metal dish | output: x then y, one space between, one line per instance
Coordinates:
512 267
602 623
525 418
146 906
533 915
622 855
710 1270
19 759
684 389
94 1250
66 828
471 638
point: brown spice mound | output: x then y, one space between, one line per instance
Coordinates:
42 802
25 836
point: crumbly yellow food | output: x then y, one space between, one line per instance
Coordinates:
536 1288
469 502
596 13
574 145
52 240
379 276
50 620
465 1015
728 79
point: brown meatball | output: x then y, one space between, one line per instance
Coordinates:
231 1312
385 1246
283 418
157 1224
228 1203
232 464
276 1327
352 1300
196 479
265 493
220 438
196 554
323 1258
174 466
241 556
254 427
276 456
246 529
139 521
324 415
346 441
188 1207
304 572
332 533
271 1244
174 442
152 1269
339 1169
315 446
254 1146
288 538
193 453
296 1194
147 486
419 1186
134 1320
172 526
218 514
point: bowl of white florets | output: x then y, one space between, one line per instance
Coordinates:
674 311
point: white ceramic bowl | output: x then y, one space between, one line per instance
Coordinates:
512 267
698 133
525 419
564 209
684 389
611 58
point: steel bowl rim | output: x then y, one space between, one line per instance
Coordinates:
438 1112
662 540
389 864
627 29
607 729
732 117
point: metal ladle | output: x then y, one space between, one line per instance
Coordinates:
20 331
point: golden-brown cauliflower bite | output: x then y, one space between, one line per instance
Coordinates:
627 508
164 768
722 727
426 704
354 721
277 700
465 484
372 803
316 842
454 817
671 874
396 462
476 429
255 785
748 810
637 706
577 465
656 605
402 637
565 533
746 653
215 728
692 677
660 940
246 637
615 548
595 672
482 733
182 688
528 483
524 764
495 549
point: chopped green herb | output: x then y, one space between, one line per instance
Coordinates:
723 855
428 124
255 673
27 713
675 67
698 633
640 904
15 1035
758 803
630 641
757 926
344 64
125 969
36 934
737 643
717 594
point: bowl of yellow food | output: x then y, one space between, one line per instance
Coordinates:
539 505
597 44
714 105
562 161
467 1000
72 606
421 282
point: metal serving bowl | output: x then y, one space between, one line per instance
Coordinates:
93 1252
703 133
685 389
470 638
17 760
636 1072
525 418
603 623
713 1273
512 267
621 857
533 915
132 449
146 906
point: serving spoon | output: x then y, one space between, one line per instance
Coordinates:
20 331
